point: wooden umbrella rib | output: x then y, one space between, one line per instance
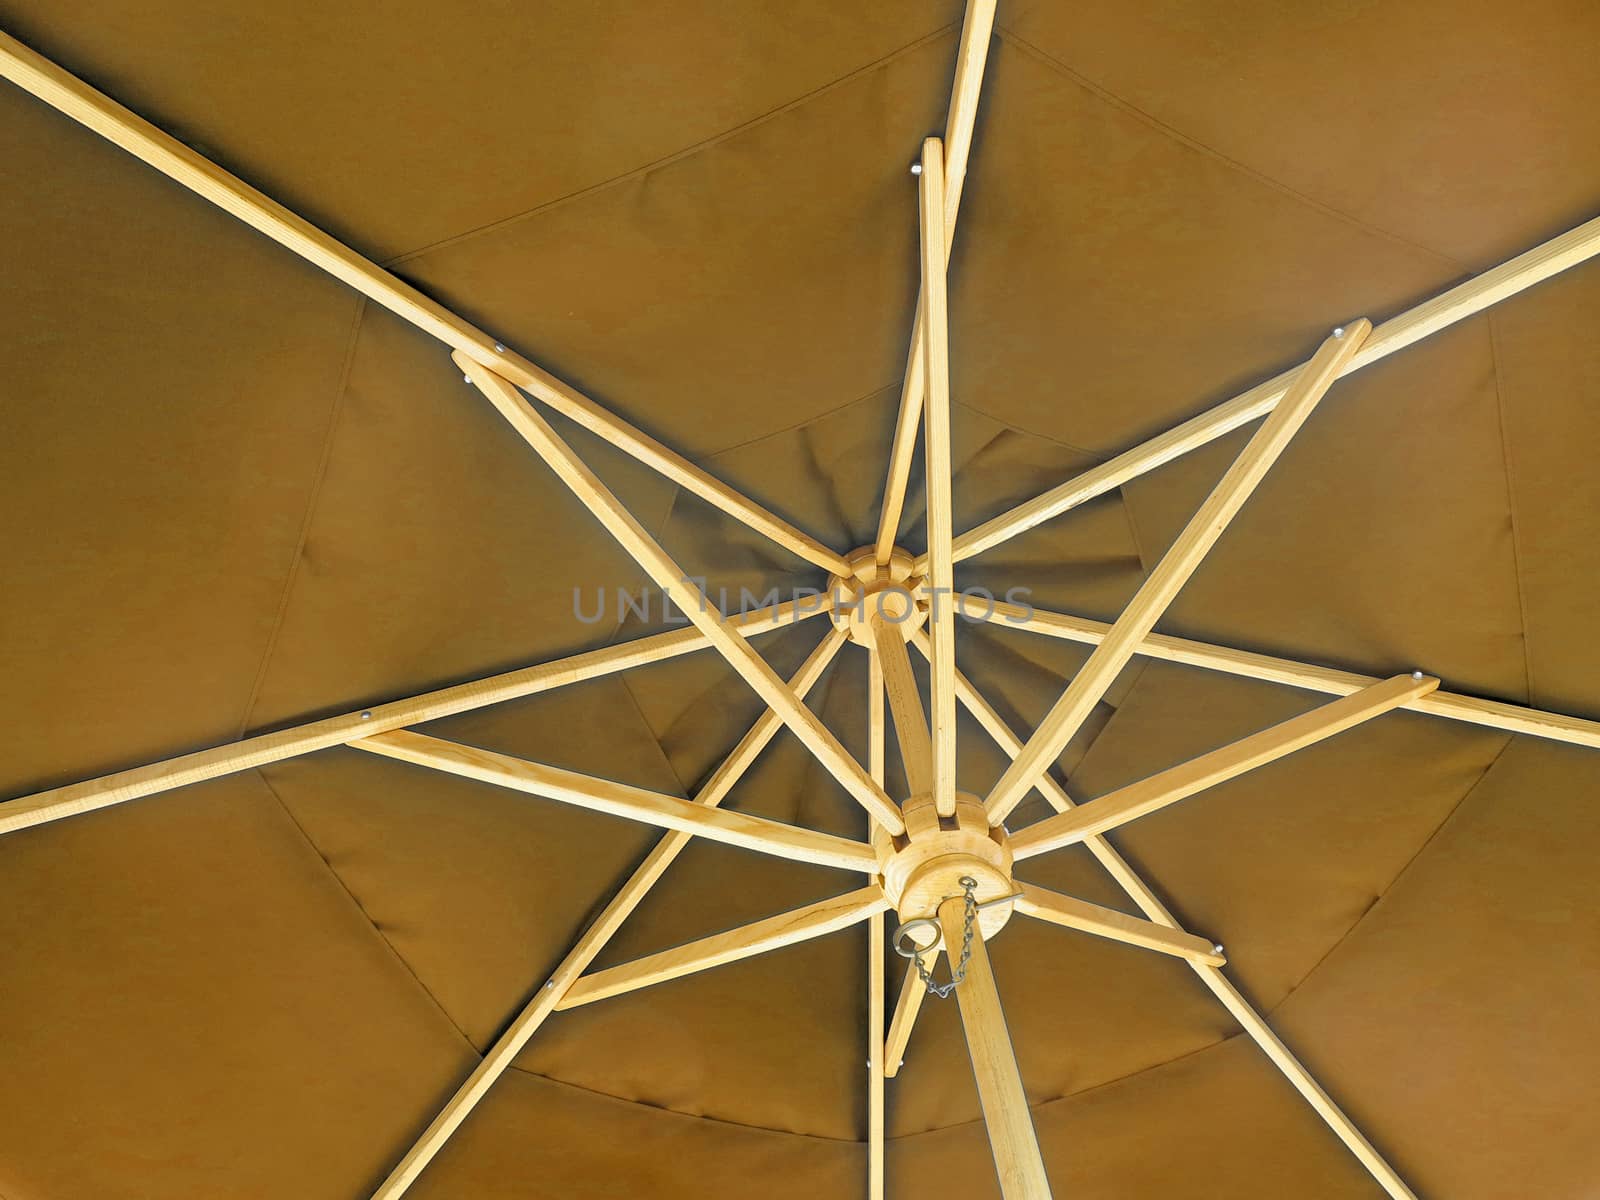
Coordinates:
1465 300
70 95
623 800
973 55
1169 575
759 937
676 583
265 748
1228 762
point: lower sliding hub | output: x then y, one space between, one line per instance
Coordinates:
929 862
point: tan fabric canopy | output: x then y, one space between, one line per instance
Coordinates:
237 496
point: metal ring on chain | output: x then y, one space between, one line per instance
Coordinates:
958 973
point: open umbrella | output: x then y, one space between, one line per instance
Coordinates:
387 919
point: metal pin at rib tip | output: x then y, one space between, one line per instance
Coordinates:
1339 332
916 168
366 716
1416 674
499 348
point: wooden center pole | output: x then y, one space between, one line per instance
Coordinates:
1005 1108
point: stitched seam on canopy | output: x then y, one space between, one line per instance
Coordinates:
655 739
678 1112
1133 529
806 421
312 501
1177 135
1511 502
1084 1092
678 155
365 915
1095 456
1388 889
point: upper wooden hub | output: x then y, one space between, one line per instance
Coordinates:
927 863
870 588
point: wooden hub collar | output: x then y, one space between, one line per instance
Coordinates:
870 588
927 863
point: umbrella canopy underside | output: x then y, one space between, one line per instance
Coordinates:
237 496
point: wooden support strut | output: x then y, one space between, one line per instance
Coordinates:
1168 787
1071 913
773 933
1254 1024
594 939
1169 575
70 95
905 704
623 800
671 579
906 1007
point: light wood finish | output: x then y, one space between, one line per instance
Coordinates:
876 589
623 800
875 1003
905 705
976 30
876 951
1072 913
1493 714
1162 585
928 864
877 734
1459 303
172 158
1145 898
1168 787
936 455
912 993
890 1048
1017 1160
258 751
676 583
773 933
510 1043
1004 736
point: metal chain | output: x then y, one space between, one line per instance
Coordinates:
958 973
